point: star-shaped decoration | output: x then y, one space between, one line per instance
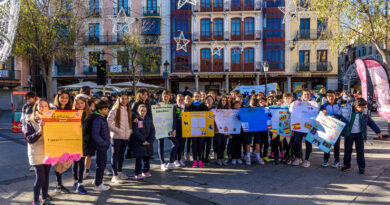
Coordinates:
292 8
181 42
121 18
181 3
216 50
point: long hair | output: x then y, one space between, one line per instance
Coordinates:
35 108
253 102
86 109
138 98
56 102
220 106
166 92
117 106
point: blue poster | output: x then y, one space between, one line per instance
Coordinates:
325 132
255 119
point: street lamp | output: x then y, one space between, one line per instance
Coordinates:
165 73
265 69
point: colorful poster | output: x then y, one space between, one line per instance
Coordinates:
275 112
325 132
255 119
375 83
163 120
227 121
303 115
247 89
284 124
62 134
198 124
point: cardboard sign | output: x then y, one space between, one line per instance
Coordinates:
255 119
198 124
227 121
163 120
302 115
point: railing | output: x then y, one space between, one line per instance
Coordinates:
102 40
256 35
313 35
94 12
149 70
10 74
65 69
125 9
273 3
255 5
151 11
90 70
314 67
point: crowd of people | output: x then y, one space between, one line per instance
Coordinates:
124 123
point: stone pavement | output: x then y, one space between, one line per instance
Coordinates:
232 184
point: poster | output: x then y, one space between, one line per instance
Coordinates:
247 89
62 133
163 120
284 124
302 115
255 119
227 121
325 132
198 124
275 112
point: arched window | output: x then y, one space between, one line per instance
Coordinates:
249 33
236 59
236 29
249 59
205 31
205 60
218 62
218 29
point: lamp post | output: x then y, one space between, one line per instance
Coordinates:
265 69
165 73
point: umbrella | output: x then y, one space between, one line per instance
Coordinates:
92 85
139 84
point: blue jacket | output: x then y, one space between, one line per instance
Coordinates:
141 135
100 132
332 110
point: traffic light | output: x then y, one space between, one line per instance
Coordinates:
101 72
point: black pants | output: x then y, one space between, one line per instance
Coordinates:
336 152
264 143
236 142
41 181
197 144
289 148
206 148
139 161
130 144
215 144
101 162
174 148
118 148
359 144
58 177
78 170
275 147
220 140
182 143
298 137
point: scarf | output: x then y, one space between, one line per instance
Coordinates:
196 103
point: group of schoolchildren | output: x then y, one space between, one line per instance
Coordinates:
127 125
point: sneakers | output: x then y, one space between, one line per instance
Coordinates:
306 164
239 161
344 169
271 154
108 173
260 161
266 159
219 162
200 163
116 180
32 169
81 190
164 167
234 161
281 154
146 174
75 185
361 170
102 187
46 202
122 176
195 164
336 164
325 164
215 156
188 157
225 161
248 161
172 166
139 177
177 164
36 203
61 189
182 163
297 162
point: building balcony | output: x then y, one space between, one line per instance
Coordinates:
196 36
150 71
151 11
65 69
314 67
10 74
102 40
273 3
90 70
94 12
313 35
227 6
125 9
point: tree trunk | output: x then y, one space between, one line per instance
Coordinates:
134 83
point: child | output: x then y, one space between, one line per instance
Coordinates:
356 131
254 136
101 138
264 135
91 146
81 103
236 140
120 123
144 134
288 145
221 139
36 153
178 109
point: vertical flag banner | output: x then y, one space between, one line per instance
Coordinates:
302 115
255 119
325 132
284 124
227 121
374 81
198 124
275 113
163 120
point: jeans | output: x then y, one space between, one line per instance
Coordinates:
359 144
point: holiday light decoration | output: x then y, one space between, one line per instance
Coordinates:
181 42
9 15
216 49
181 3
124 20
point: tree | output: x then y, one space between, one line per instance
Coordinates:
48 30
359 21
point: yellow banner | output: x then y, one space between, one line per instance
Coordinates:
198 124
62 133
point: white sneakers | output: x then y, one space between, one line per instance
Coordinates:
102 187
116 180
172 166
164 167
182 163
122 176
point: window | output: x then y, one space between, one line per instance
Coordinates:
249 27
304 29
236 5
151 5
181 61
205 5
218 62
93 32
205 60
218 5
304 61
205 30
218 29
236 59
249 59
274 54
370 50
364 51
322 60
273 3
274 27
236 29
123 59
122 29
94 7
248 5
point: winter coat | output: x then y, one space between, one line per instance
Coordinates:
125 130
194 108
143 134
35 143
100 132
135 105
86 122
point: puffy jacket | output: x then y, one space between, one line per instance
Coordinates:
87 130
35 143
100 132
125 130
143 134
